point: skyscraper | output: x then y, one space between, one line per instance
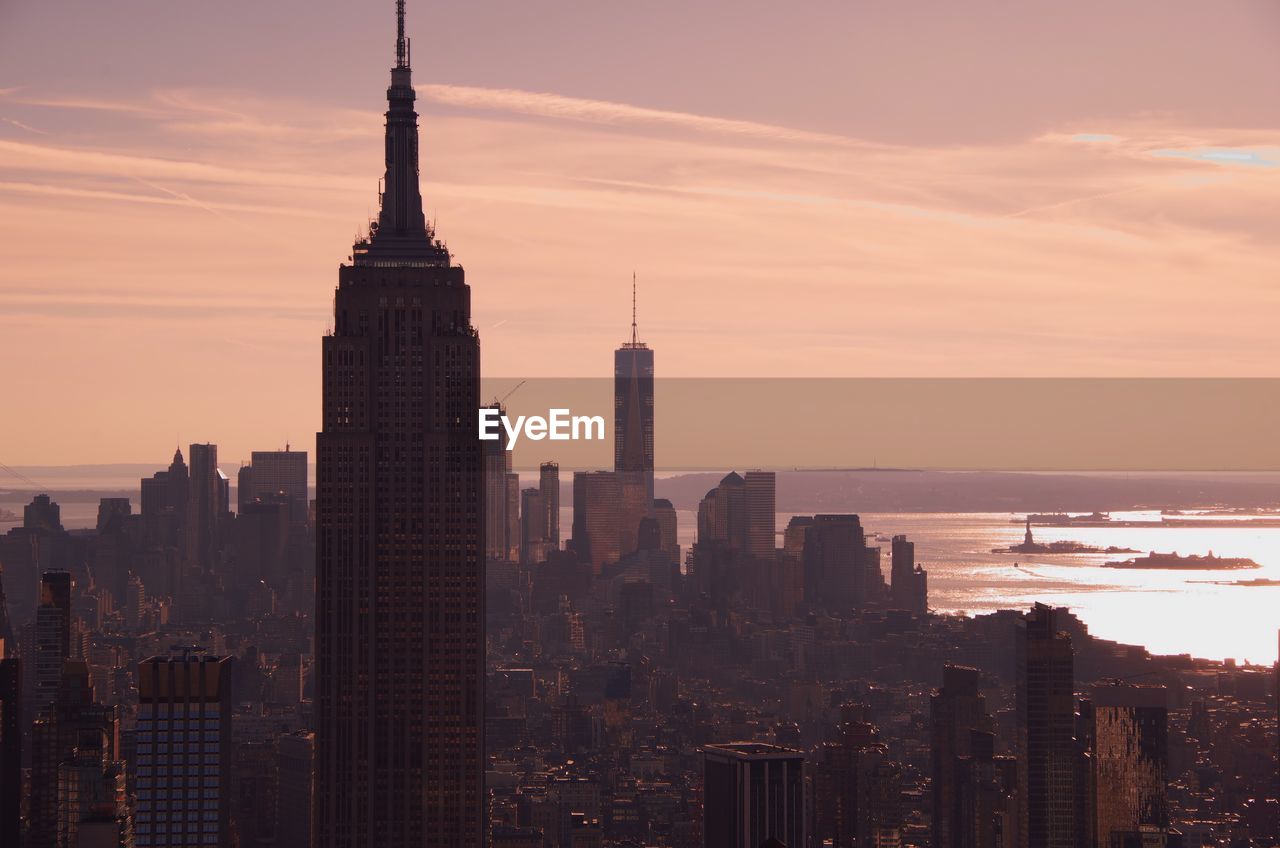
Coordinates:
533 518
958 709
633 408
597 512
910 583
549 486
53 635
295 788
752 792
205 507
761 496
501 498
400 514
184 751
838 565
58 731
279 473
1130 760
1046 729
10 750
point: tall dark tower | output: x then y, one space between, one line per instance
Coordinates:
633 408
400 514
1045 669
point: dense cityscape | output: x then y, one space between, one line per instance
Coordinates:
420 654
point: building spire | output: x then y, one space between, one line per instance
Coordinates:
402 52
400 235
635 339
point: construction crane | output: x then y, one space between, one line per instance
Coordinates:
499 401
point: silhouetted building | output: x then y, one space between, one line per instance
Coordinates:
163 507
533 527
274 473
112 513
761 496
11 730
909 583
956 709
549 487
975 794
633 409
42 513
668 528
261 539
53 635
400 519
206 505
1129 746
184 753
501 498
752 791
92 802
597 514
857 790
722 514
73 720
1046 729
295 788
840 571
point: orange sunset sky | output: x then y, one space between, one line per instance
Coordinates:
824 188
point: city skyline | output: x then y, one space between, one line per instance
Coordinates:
1093 219
812 650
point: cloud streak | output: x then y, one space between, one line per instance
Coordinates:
1086 250
546 105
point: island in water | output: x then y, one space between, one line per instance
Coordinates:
1030 546
1194 562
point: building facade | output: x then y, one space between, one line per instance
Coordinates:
400 516
184 754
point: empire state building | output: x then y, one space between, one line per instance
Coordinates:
400 512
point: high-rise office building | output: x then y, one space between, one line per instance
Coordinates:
752 792
184 754
838 565
761 487
1129 732
909 583
1046 729
722 514
549 486
92 802
633 408
274 473
533 527
43 513
72 719
664 512
597 512
857 790
206 505
164 516
11 729
956 710
295 788
53 635
400 517
501 498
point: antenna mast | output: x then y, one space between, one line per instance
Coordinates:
401 51
635 339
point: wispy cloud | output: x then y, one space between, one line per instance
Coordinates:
23 126
545 105
1261 158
